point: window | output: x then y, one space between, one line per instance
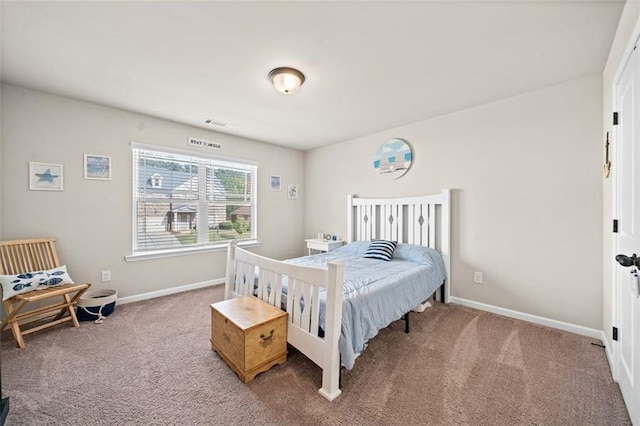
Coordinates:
184 200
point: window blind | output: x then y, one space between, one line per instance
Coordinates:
184 201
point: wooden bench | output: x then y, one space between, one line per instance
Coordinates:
21 256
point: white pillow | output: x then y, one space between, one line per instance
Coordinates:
29 281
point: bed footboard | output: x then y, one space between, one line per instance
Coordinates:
249 273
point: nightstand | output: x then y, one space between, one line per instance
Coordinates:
323 245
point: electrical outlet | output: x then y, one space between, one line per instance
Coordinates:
477 277
106 276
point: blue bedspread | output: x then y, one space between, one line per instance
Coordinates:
377 292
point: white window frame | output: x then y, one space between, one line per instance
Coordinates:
202 204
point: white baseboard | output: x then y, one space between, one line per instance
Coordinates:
572 328
168 291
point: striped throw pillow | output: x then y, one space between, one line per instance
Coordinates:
381 249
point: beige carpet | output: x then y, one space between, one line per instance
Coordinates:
150 363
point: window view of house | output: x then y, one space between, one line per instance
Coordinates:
185 201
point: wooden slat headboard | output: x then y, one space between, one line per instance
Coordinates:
423 220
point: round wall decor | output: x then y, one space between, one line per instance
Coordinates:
393 159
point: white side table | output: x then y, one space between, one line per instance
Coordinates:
323 245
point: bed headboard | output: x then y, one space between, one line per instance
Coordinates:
423 220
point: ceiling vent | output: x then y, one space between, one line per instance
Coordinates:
217 124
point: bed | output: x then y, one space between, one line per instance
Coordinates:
334 308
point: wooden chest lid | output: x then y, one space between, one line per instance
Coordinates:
247 311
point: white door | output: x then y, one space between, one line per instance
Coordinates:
627 167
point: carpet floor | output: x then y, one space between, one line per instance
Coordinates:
151 363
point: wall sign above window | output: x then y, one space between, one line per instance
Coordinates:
204 143
393 159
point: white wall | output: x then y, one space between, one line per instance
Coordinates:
629 20
92 220
525 170
526 203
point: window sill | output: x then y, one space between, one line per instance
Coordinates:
160 254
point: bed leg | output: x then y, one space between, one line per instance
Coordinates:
442 292
340 375
406 322
331 376
331 365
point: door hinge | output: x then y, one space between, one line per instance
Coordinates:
615 118
615 333
615 225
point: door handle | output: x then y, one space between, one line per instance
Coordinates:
627 261
632 262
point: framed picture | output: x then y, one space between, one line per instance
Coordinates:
274 183
393 159
97 167
46 177
292 192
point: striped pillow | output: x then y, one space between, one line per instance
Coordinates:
381 249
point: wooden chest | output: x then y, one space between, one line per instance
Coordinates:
249 335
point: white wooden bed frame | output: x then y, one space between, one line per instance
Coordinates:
411 220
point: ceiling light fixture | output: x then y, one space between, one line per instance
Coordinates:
286 80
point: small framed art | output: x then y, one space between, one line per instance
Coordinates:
46 177
97 167
292 192
274 183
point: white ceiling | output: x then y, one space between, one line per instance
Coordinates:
369 66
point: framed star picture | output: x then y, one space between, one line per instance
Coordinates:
46 177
